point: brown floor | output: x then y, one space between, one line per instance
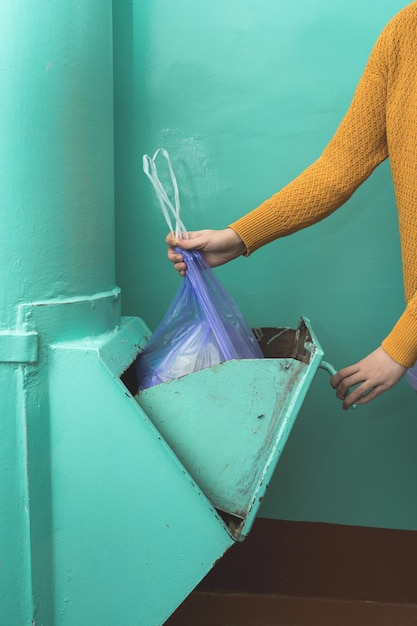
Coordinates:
232 609
309 574
314 560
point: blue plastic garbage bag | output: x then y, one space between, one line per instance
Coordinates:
202 327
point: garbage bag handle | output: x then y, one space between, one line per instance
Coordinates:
150 169
328 367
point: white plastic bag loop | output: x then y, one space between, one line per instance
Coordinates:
168 209
203 325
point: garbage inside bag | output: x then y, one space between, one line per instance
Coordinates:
203 325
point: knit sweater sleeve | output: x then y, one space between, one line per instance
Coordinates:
357 147
401 343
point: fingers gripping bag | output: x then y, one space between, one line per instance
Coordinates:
203 325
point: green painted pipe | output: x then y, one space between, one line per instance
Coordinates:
57 152
99 521
56 220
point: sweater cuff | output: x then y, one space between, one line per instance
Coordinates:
257 228
401 343
248 232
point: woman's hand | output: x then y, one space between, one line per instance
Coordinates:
217 246
373 375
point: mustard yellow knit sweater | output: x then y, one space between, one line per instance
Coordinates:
381 122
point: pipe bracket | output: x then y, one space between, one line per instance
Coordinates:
19 347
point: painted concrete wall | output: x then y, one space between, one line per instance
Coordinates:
244 95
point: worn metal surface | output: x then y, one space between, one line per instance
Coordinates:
229 423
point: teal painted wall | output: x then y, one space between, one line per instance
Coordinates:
244 95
